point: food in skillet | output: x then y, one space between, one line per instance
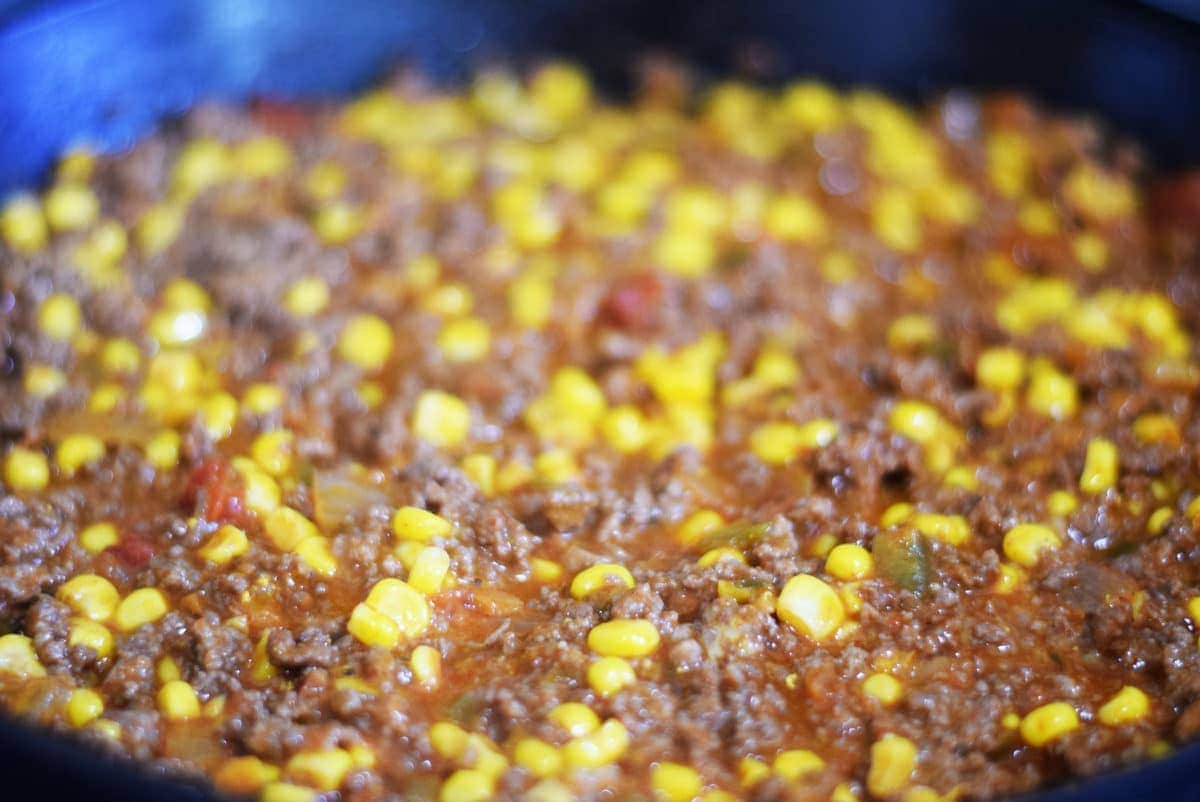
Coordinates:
508 444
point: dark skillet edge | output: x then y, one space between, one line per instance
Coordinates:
46 765
1134 65
52 766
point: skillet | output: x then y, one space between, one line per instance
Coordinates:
105 71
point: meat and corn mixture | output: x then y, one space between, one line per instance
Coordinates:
507 444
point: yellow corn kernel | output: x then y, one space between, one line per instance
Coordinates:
43 381
1038 217
685 253
597 749
402 603
911 332
1129 705
1000 369
227 544
467 785
142 606
262 398
1061 503
1008 578
1052 393
244 775
752 771
951 529
366 341
896 220
162 451
262 156
172 327
1100 466
441 419
1048 723
823 545
896 514
779 442
338 222
1025 543
448 739
608 675
811 106
626 429
843 793
218 413
624 638
92 635
120 356
429 571
286 528
917 421
531 301
323 769
426 665
675 782
1158 520
537 757
1156 428
696 525
17 657
481 469
273 451
71 207
325 180
793 764
597 577
306 296
795 218
848 562
893 760
76 451
362 756
26 470
810 606
90 596
286 792
98 536
158 228
449 300
576 718
467 339
105 397
421 526
1091 251
177 701
315 553
22 225
556 466
167 670
201 163
59 317
546 570
83 707
714 556
883 687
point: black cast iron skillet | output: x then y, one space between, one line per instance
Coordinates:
104 71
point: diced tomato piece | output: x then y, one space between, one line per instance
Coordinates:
215 490
281 117
133 552
633 302
1175 202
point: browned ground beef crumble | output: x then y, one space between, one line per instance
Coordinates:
879 422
